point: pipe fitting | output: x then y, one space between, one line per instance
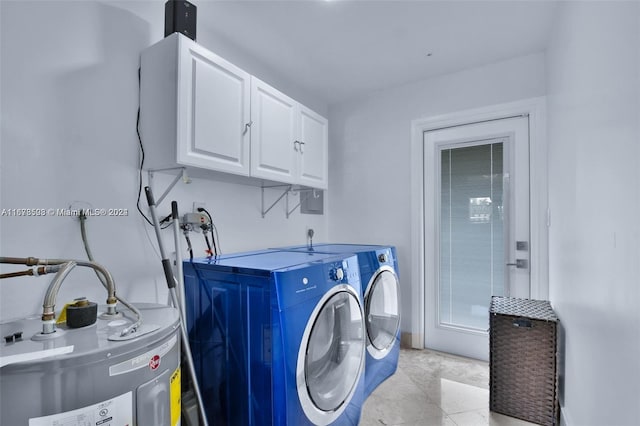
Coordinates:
48 316
48 326
43 270
49 305
111 308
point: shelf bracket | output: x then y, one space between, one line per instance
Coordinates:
304 192
182 175
285 193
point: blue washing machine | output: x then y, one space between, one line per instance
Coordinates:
381 292
278 338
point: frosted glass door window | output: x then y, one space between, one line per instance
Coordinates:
471 232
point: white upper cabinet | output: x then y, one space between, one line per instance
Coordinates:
194 108
273 133
313 149
288 140
200 111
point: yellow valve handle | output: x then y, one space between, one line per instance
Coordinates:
63 314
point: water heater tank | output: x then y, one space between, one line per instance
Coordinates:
83 377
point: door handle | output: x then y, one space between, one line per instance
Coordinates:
520 264
246 127
297 145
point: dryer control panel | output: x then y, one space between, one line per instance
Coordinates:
314 280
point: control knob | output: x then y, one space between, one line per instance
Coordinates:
337 274
383 257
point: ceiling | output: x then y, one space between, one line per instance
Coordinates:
339 49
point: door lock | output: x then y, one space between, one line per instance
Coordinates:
520 264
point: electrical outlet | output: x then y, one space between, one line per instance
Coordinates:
197 204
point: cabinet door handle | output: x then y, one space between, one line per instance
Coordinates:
299 147
246 127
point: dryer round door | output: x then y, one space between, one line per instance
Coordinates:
331 355
382 311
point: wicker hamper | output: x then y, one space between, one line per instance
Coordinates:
523 360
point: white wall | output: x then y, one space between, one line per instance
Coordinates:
594 196
370 147
68 106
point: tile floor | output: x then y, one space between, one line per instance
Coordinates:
432 388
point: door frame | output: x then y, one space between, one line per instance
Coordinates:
535 109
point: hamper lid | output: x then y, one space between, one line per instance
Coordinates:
534 309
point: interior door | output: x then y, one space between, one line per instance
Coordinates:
477 217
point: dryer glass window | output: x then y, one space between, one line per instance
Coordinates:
382 310
335 351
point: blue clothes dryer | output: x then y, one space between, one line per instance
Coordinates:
381 292
277 337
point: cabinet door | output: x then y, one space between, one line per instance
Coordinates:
213 111
314 138
273 133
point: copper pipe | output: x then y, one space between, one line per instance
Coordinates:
29 261
41 270
17 274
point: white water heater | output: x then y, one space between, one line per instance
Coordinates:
84 377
